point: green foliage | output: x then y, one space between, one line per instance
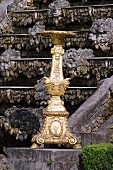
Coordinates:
98 157
49 162
84 29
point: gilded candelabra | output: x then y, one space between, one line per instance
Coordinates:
55 129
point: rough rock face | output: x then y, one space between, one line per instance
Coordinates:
10 54
37 28
94 112
3 8
41 93
5 23
76 59
102 33
6 65
39 113
20 122
55 7
35 39
17 96
18 5
5 26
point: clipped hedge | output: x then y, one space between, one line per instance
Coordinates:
98 157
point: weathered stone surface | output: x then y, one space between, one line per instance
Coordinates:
3 7
94 111
5 23
10 54
22 123
36 39
104 136
41 94
75 62
102 33
55 7
4 163
43 159
107 125
19 5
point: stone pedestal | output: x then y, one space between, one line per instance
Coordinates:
43 159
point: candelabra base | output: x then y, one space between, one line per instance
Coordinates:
55 131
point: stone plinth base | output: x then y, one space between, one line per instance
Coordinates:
43 159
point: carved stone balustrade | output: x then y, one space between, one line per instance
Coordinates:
96 112
29 16
95 121
87 13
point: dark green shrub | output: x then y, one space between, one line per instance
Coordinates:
98 157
